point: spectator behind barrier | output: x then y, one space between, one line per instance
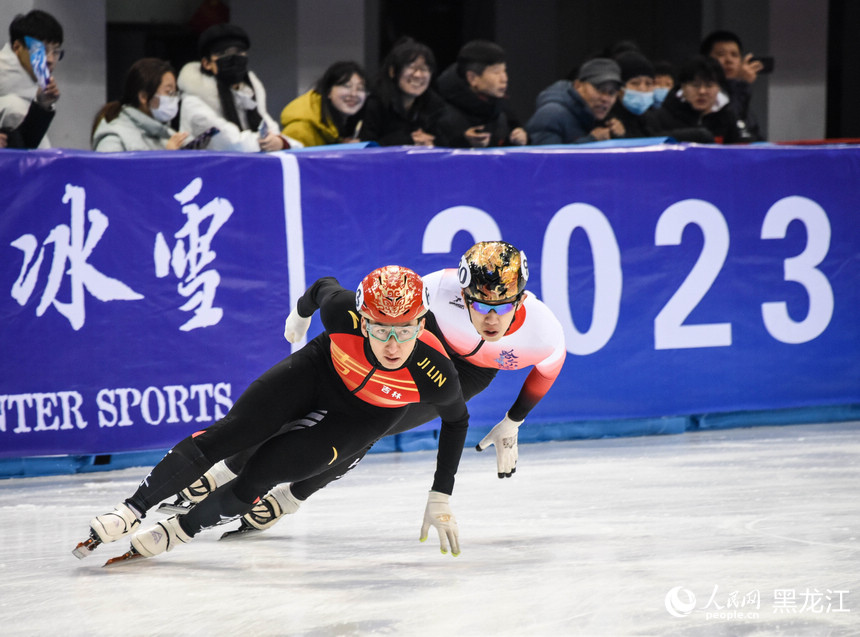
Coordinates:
664 80
477 113
636 95
698 110
26 133
403 110
331 112
30 93
741 72
139 120
578 112
221 92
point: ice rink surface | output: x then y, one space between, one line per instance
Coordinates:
738 532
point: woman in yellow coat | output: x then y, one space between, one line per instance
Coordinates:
330 113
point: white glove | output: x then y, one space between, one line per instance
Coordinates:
438 514
296 327
504 437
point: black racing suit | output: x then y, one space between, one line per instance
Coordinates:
336 373
473 380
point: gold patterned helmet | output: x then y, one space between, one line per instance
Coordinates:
392 294
493 271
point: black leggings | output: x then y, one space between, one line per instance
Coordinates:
298 385
473 380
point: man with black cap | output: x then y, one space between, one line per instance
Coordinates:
576 112
637 93
221 92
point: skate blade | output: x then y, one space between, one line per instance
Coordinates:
239 533
83 549
129 555
176 508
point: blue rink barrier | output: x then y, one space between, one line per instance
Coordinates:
698 287
427 440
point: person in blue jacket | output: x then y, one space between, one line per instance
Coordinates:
577 112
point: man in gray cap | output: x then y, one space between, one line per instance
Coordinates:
575 112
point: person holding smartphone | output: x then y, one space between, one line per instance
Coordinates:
222 92
28 96
140 119
741 72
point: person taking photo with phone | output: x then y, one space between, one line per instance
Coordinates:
27 83
741 72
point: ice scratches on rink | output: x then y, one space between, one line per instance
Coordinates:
748 532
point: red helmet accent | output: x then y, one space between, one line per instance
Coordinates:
392 294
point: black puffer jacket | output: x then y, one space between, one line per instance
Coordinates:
634 125
676 118
464 109
391 125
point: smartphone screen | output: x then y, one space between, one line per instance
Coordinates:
38 60
201 141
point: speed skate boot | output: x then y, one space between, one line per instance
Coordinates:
200 488
162 537
277 503
108 527
219 474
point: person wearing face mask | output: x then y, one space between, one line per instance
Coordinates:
332 111
636 95
140 119
664 80
221 92
403 110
